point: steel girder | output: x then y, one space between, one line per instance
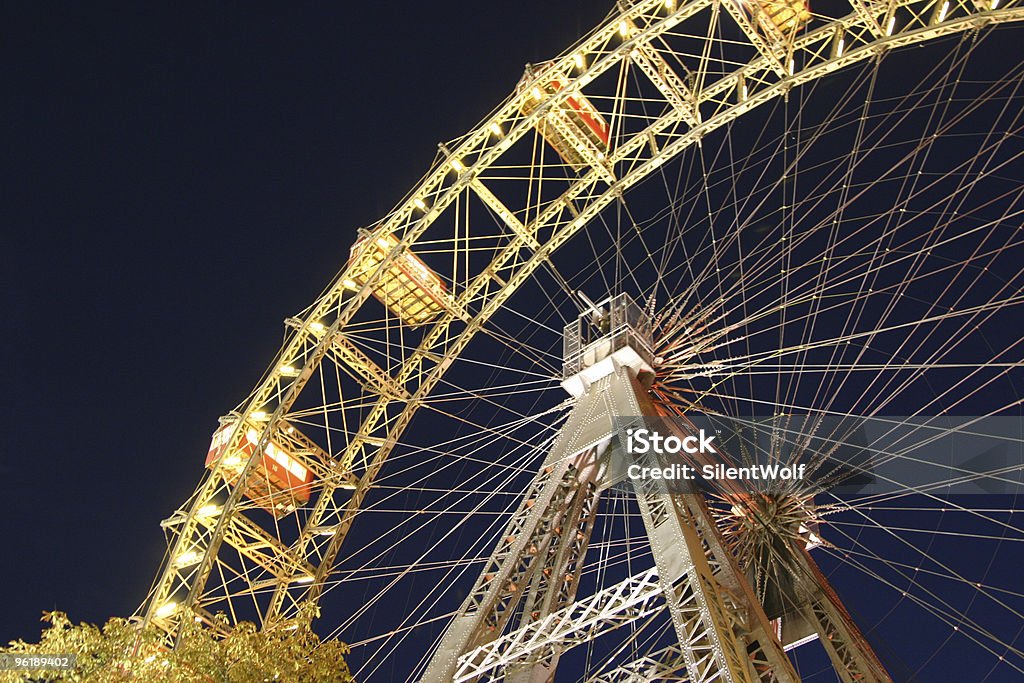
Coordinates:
697 103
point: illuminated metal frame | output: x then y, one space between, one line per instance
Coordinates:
698 103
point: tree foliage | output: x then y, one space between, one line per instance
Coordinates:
287 651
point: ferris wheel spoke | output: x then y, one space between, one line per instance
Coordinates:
934 602
843 262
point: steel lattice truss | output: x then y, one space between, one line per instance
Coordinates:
351 375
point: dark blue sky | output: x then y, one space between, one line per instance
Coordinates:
179 179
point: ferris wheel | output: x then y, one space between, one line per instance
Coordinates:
741 209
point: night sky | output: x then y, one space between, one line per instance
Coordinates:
180 179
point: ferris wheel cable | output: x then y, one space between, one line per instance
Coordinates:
371 672
492 528
485 441
817 410
865 295
855 336
891 306
963 268
528 387
627 555
738 367
428 489
371 341
551 363
979 586
835 285
942 505
948 613
613 560
845 199
487 493
477 399
686 370
933 434
639 641
433 619
957 534
362 573
351 576
931 509
937 490
421 605
818 368
742 209
370 507
875 526
438 454
842 203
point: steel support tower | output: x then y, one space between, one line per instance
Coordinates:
523 612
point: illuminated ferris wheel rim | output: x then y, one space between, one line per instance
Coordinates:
698 108
870 31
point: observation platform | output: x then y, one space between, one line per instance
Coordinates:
614 333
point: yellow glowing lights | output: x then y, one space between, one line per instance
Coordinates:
670 4
943 11
457 165
784 16
288 371
892 25
186 559
495 130
260 415
349 283
318 327
579 61
166 609
420 204
209 510
305 578
408 287
623 28
570 122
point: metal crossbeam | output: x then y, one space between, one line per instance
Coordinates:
578 201
667 664
667 82
504 213
615 606
852 657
